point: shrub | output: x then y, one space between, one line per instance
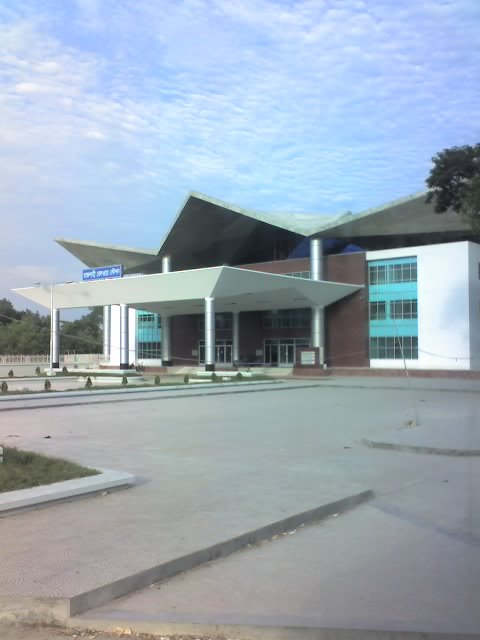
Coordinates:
37 371
48 385
10 373
4 387
214 377
88 383
157 380
124 381
186 379
239 375
64 369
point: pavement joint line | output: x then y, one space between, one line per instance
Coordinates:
425 449
391 387
254 631
12 502
185 394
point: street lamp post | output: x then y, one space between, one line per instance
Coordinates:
54 327
51 328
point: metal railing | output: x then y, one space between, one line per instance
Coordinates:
67 358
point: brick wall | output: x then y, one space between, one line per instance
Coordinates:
346 321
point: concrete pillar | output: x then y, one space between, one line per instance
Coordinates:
209 334
316 259
167 360
107 315
124 363
236 336
55 340
166 264
318 314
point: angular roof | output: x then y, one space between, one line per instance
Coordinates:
209 232
93 254
407 216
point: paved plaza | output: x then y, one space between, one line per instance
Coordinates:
214 464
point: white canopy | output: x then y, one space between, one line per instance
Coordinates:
183 292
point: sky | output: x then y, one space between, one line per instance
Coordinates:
111 111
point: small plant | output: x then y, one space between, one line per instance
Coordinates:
214 377
88 383
10 373
157 380
64 369
37 371
4 387
239 376
186 379
48 385
124 381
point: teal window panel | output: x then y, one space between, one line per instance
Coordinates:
149 335
393 308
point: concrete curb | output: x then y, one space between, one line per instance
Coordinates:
81 393
411 448
247 631
13 501
28 407
59 610
106 593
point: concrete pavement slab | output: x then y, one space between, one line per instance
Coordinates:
210 467
408 561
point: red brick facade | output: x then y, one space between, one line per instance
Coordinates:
346 321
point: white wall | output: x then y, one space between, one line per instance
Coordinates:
474 303
115 336
443 305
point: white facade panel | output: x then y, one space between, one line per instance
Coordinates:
444 293
474 303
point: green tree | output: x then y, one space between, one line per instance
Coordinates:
454 182
85 334
8 312
28 332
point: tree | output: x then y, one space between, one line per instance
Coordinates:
8 312
28 332
454 182
85 334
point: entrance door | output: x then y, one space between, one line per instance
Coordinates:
271 353
287 353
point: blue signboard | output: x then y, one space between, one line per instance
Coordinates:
102 273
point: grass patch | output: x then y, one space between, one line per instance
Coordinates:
25 469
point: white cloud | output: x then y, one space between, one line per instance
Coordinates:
312 105
93 134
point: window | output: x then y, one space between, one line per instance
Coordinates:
377 310
394 348
147 350
287 319
403 309
148 319
222 321
403 270
148 335
378 274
